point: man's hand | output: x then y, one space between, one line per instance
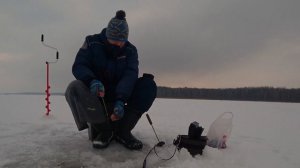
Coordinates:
114 117
97 88
118 111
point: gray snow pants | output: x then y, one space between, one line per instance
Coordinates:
85 107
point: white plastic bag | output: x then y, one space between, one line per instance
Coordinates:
220 130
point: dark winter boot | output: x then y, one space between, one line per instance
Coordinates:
123 133
103 139
101 135
91 132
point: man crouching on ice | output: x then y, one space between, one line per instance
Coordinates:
108 98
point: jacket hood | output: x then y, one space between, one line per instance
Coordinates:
103 35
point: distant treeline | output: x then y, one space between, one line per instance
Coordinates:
246 93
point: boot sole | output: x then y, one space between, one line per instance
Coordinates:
96 146
103 145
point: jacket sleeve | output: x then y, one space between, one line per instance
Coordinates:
82 67
126 84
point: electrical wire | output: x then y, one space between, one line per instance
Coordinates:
164 159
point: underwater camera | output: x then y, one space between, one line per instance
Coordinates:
193 142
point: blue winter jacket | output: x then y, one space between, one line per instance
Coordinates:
118 74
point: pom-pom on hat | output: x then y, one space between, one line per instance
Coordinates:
117 28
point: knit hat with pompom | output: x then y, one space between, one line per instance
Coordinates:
117 28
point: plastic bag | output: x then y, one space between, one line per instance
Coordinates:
220 130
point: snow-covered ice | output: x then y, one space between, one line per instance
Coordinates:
264 135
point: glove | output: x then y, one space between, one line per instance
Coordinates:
118 110
97 88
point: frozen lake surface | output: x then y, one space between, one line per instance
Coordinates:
264 135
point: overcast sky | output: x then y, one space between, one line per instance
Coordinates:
192 43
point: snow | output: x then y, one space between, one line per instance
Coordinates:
264 135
